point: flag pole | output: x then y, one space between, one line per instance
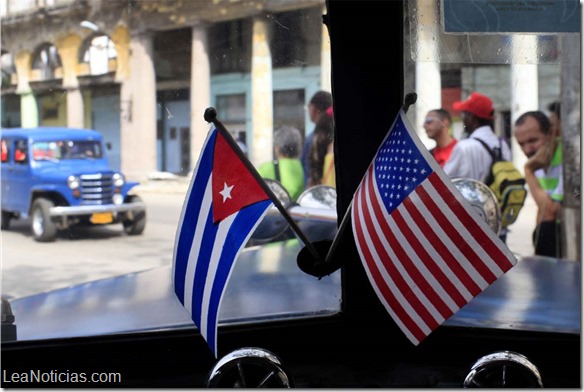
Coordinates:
211 116
320 268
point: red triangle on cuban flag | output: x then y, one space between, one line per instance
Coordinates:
234 187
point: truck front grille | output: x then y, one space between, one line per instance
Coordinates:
96 189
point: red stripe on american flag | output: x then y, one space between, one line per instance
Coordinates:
425 257
402 258
480 236
383 289
456 237
444 252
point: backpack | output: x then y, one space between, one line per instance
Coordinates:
507 183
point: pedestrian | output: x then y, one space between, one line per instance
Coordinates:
321 145
328 171
286 167
554 117
543 174
470 159
239 138
437 125
317 106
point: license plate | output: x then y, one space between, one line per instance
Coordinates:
100 218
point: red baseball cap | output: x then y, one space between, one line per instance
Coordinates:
478 104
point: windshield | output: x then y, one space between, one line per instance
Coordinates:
143 74
66 149
146 95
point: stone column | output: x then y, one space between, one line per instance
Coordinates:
200 90
524 86
138 111
29 112
428 79
75 108
68 50
262 117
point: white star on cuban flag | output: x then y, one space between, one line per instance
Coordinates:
226 192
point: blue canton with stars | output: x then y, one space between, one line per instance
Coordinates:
399 167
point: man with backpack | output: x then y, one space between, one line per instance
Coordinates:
470 158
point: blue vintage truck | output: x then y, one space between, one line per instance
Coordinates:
60 177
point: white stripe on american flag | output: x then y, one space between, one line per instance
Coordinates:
431 319
468 235
452 248
196 246
417 321
396 269
407 243
435 257
389 301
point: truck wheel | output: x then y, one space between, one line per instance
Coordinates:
135 226
43 228
6 216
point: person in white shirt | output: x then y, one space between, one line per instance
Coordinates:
470 159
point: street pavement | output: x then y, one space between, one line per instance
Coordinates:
519 236
518 239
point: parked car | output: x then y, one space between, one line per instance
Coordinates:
60 177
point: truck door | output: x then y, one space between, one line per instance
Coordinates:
16 175
4 173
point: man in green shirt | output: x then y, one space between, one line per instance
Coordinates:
286 166
543 175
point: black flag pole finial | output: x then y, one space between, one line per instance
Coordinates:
409 100
210 115
330 264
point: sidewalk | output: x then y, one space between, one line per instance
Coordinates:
518 239
162 182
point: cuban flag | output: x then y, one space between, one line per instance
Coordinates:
425 251
223 206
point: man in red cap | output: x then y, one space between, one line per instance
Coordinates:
470 159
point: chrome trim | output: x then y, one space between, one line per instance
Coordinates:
232 370
299 212
498 362
90 209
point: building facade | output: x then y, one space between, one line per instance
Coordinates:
142 73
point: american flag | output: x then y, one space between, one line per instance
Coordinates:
425 251
222 208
